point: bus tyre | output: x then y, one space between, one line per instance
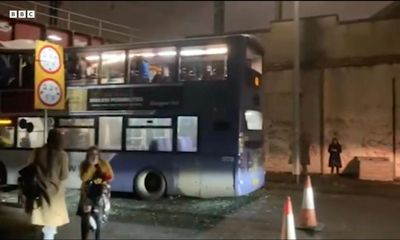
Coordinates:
150 184
3 174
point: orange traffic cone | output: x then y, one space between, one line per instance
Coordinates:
288 231
307 217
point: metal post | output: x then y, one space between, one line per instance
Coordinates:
394 127
69 21
100 28
278 10
20 62
296 92
130 35
219 17
46 127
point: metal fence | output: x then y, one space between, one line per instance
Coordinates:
74 21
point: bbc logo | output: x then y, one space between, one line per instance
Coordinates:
22 14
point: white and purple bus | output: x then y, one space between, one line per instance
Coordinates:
176 117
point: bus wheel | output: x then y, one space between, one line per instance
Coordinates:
3 174
150 184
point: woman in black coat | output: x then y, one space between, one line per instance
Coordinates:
334 155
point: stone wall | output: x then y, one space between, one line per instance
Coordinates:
348 74
327 38
358 104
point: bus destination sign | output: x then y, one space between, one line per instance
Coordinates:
134 98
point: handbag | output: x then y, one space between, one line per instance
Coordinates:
31 189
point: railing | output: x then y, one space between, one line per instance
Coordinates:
70 20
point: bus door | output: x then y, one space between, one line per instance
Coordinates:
250 169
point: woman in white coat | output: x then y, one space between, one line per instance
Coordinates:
51 164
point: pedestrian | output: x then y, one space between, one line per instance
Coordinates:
94 173
334 155
51 164
143 67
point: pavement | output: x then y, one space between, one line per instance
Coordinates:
350 209
336 184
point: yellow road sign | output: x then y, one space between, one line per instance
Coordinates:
49 76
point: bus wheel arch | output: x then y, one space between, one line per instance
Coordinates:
150 184
3 174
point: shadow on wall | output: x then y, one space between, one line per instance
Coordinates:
352 169
304 152
311 47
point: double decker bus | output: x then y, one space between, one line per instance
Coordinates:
176 117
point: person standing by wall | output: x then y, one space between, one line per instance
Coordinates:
51 164
334 155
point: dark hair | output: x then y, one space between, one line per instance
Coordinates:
335 140
54 143
54 140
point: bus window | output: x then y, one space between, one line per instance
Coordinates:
28 66
31 132
76 122
187 134
203 63
9 70
113 67
254 61
78 138
254 120
78 132
160 122
82 68
153 137
6 136
152 65
110 133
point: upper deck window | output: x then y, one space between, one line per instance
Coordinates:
113 67
82 68
16 70
203 63
8 70
152 65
